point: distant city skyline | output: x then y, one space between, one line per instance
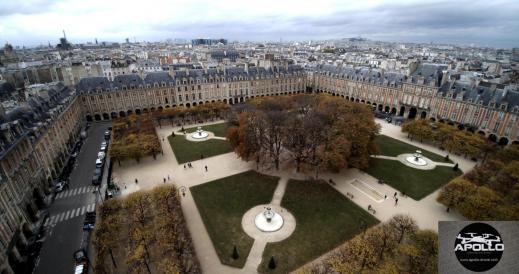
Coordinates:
479 23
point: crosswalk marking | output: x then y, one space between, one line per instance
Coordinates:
75 191
69 214
60 217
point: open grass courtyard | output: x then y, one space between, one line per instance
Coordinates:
325 219
219 130
187 151
222 204
392 147
415 183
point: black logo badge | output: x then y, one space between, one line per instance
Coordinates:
479 247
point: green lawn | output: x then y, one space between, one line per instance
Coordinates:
222 204
325 219
218 129
392 147
187 151
414 182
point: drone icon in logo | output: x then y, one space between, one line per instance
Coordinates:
485 238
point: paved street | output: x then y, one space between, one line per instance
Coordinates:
65 233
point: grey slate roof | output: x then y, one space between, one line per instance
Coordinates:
482 92
364 74
94 83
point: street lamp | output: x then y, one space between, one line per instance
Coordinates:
183 190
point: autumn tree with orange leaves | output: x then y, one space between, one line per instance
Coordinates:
316 132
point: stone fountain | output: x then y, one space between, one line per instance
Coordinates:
268 220
416 159
199 134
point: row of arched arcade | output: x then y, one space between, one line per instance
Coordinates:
116 114
409 113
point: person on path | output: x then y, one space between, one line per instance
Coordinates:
396 201
385 196
164 180
184 166
394 195
168 177
205 168
136 181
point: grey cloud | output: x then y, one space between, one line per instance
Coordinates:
492 23
12 7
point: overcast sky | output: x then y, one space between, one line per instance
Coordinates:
483 23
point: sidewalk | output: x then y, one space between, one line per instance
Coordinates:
150 173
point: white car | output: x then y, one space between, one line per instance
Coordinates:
60 186
103 143
99 163
103 148
101 155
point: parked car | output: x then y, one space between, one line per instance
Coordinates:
96 180
81 262
98 171
101 155
90 220
99 163
104 143
107 134
103 148
59 187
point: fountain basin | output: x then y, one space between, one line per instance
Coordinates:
268 221
199 134
416 161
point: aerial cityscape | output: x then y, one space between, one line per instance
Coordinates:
267 137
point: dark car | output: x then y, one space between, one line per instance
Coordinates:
96 180
98 171
90 220
107 135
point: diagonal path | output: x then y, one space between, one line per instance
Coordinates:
150 173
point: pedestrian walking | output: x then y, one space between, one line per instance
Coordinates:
394 195
396 201
164 180
205 168
385 196
168 177
184 166
136 181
